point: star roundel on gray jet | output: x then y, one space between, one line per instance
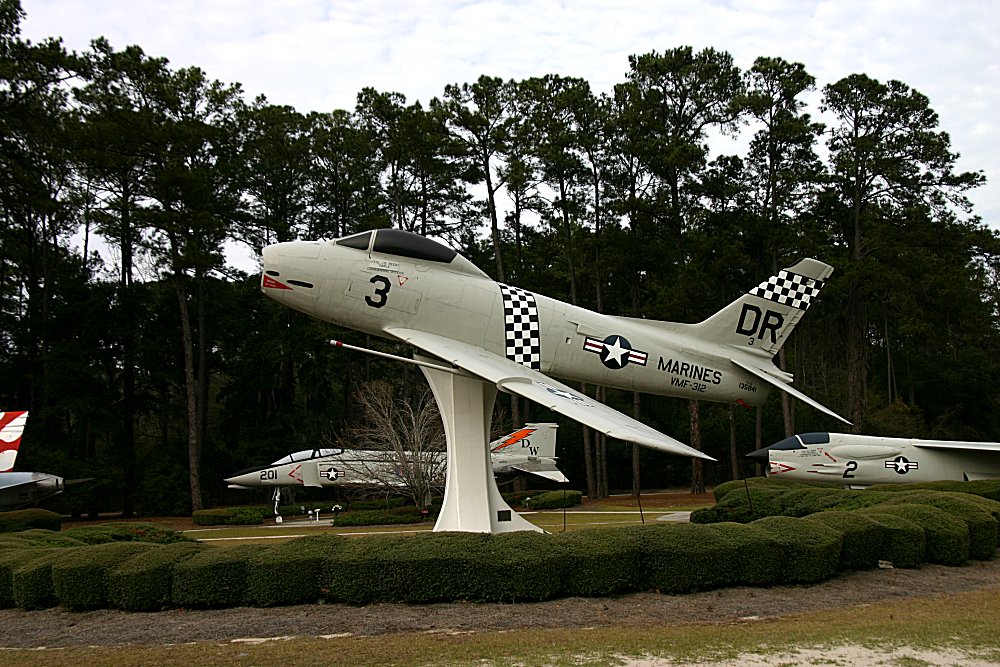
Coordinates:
902 465
615 351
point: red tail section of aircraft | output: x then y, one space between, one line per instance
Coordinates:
11 429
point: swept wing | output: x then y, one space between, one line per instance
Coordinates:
517 379
957 445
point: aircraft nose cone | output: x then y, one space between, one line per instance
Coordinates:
289 274
761 456
242 478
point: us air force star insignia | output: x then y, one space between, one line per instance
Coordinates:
562 393
902 465
615 351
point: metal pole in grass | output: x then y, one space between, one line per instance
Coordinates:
638 497
564 509
749 499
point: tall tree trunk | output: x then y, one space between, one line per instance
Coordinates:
202 390
128 360
787 404
491 205
568 231
857 364
190 386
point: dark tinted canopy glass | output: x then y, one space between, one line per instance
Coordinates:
788 443
407 244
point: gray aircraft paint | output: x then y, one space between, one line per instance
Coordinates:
862 460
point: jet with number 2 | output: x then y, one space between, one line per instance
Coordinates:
410 288
862 460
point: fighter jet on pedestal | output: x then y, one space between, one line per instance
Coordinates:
475 336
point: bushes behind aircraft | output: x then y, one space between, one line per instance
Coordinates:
141 570
382 511
35 517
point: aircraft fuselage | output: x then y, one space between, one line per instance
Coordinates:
860 460
372 292
360 468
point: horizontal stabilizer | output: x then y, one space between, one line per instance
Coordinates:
555 475
787 388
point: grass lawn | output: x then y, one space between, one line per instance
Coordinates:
958 629
550 520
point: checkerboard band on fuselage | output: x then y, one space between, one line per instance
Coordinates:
520 317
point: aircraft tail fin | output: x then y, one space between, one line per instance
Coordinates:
11 428
764 317
531 440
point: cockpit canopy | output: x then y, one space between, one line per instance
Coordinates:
800 441
308 455
401 243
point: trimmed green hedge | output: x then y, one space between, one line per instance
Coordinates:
979 514
811 551
144 582
753 563
9 562
853 529
31 583
47 538
235 516
862 537
903 541
972 510
518 567
680 558
35 517
125 532
601 561
383 517
426 567
80 578
947 536
290 572
12 542
214 577
784 500
552 500
986 488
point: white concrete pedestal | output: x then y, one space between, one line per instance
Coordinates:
472 502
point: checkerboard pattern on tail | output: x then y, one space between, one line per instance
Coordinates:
789 289
520 317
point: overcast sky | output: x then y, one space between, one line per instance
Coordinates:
315 55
